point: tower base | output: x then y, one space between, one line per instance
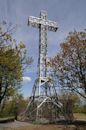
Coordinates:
43 109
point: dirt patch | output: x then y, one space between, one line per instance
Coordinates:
52 127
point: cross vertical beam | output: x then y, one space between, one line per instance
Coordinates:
42 46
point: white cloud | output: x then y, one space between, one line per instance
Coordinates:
25 78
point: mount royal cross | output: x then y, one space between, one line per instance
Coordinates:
44 25
43 91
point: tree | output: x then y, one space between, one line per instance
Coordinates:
69 65
13 106
69 101
13 59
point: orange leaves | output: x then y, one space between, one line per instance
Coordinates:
70 63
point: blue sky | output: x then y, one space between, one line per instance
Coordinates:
69 14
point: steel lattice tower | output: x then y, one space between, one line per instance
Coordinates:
43 91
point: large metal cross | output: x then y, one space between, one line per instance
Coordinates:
43 90
44 25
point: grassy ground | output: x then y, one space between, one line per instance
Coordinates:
80 116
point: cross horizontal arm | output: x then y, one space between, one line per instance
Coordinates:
35 22
52 26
